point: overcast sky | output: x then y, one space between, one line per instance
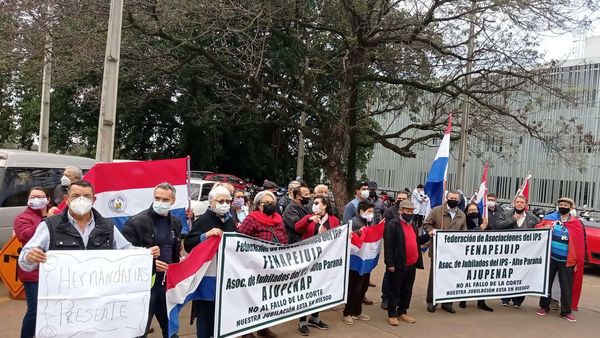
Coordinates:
568 46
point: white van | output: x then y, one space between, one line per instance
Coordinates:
199 190
21 170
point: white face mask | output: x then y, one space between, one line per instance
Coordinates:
364 194
491 204
222 209
80 205
161 208
368 217
37 203
65 181
316 209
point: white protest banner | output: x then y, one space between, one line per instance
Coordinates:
262 284
94 293
490 264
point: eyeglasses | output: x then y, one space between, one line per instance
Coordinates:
223 201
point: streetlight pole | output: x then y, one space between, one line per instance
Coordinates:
464 125
46 84
110 82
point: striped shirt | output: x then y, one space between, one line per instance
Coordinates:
560 242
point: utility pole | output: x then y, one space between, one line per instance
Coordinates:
110 82
46 84
300 159
464 125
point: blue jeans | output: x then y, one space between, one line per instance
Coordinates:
28 326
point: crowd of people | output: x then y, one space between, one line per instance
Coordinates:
410 223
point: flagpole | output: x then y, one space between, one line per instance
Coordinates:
188 181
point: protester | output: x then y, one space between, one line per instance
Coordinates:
475 222
567 256
286 199
402 258
323 190
320 220
362 193
421 202
494 210
270 186
70 174
443 217
378 206
390 214
93 232
239 209
264 223
25 225
357 284
216 220
156 226
516 218
294 212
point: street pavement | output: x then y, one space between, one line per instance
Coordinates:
469 322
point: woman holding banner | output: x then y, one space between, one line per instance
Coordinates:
266 224
319 221
25 225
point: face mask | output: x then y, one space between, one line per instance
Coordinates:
37 203
473 215
161 208
305 200
563 210
80 205
316 209
238 202
269 209
372 194
364 194
368 217
491 204
407 218
65 181
452 203
222 209
519 211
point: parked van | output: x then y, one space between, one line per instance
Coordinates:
21 170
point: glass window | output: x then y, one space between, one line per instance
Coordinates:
16 182
206 188
194 191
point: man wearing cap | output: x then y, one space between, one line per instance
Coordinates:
402 257
567 255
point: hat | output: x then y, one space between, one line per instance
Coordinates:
269 185
566 199
406 204
372 184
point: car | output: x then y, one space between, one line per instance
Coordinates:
201 174
199 190
592 233
237 182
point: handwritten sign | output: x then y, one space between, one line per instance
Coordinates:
261 284
94 293
490 264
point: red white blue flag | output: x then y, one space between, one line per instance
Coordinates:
365 249
435 183
482 192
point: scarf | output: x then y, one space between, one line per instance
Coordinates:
265 220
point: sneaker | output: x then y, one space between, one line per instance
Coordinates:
517 306
569 317
319 325
505 303
303 329
348 320
362 316
393 321
408 318
542 312
367 301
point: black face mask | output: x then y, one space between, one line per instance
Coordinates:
407 218
269 209
473 215
452 203
519 211
305 200
372 194
563 210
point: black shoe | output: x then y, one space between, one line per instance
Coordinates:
303 330
319 325
384 303
462 304
430 308
484 307
448 308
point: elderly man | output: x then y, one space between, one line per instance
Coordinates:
216 220
285 200
71 174
78 227
157 226
443 217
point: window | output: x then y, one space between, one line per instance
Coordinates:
16 182
206 188
194 191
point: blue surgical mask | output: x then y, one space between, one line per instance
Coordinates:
161 208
